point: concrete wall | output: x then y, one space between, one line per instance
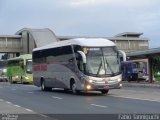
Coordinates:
28 43
10 44
132 45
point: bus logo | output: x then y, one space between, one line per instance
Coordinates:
40 67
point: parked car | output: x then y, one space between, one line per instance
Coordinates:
3 78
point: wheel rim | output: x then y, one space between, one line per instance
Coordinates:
74 88
42 85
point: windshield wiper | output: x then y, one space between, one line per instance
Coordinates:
109 66
99 68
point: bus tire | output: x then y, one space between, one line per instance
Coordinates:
104 91
74 87
43 86
21 80
66 89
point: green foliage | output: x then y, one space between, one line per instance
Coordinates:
156 67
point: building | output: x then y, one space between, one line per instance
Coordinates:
26 39
127 41
130 41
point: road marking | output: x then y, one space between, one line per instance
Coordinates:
30 85
17 106
99 105
30 92
136 91
57 97
29 110
43 115
125 90
8 102
156 92
136 98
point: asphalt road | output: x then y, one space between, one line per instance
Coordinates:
29 99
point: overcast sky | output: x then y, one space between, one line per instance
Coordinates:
104 18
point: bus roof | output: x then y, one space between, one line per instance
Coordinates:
86 42
25 56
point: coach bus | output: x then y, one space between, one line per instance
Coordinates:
134 70
82 64
19 69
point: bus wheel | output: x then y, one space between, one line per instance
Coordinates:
21 80
105 91
74 90
66 89
43 87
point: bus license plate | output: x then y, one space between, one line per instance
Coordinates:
106 87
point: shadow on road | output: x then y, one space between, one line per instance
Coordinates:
69 92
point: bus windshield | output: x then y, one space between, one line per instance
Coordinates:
102 61
29 66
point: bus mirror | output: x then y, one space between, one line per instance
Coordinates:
83 56
123 54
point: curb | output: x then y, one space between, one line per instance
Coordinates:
143 85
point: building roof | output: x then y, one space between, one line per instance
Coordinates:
128 38
129 34
110 38
41 36
144 52
10 36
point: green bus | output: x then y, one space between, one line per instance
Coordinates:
19 69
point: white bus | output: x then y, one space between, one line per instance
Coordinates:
82 64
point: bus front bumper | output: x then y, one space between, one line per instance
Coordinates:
95 87
115 86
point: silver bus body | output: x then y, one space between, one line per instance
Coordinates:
83 64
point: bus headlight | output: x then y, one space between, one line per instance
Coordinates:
26 78
119 79
90 81
88 87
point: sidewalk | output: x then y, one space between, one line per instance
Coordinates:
141 84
